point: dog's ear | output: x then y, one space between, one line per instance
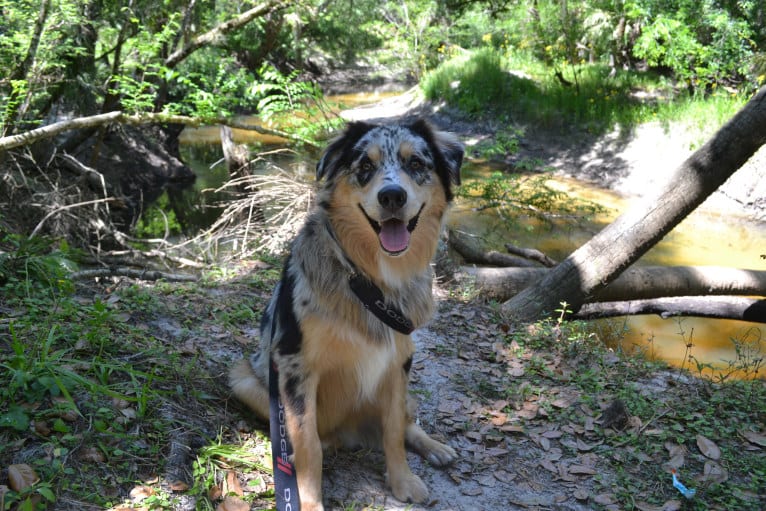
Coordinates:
453 152
340 152
450 150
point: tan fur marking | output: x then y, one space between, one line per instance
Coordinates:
406 150
375 154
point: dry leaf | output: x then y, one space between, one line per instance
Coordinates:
677 454
92 454
604 499
178 485
714 473
139 493
232 484
645 506
708 447
21 476
754 438
549 466
233 504
504 476
582 470
580 494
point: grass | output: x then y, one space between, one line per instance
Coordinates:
592 97
100 381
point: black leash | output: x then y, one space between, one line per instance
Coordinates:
285 479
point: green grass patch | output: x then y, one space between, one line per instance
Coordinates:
591 97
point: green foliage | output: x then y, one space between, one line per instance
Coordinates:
30 262
473 82
281 93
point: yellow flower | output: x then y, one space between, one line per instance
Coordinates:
761 79
486 38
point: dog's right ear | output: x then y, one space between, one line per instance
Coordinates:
340 153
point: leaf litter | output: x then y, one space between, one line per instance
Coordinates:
528 435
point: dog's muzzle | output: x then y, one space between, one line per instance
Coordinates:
393 232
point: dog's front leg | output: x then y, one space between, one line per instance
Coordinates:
405 485
298 393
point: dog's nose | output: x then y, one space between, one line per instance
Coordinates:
392 197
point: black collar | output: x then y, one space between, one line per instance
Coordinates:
373 300
370 295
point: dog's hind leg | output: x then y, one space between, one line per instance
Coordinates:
249 387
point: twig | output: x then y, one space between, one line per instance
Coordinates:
64 208
131 273
532 254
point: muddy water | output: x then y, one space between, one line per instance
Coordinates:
702 239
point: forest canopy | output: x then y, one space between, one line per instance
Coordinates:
139 56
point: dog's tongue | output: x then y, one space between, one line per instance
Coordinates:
394 236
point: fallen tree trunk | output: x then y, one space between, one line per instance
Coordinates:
719 307
637 283
597 263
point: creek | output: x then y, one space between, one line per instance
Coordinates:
703 238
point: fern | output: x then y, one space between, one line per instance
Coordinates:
281 93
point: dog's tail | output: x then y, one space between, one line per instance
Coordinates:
249 388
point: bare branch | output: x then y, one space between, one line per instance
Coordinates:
212 35
95 121
131 273
720 307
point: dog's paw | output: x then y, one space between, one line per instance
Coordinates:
410 488
436 453
312 506
439 454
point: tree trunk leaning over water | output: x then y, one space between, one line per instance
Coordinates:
637 283
595 264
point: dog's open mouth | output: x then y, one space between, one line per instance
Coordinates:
394 234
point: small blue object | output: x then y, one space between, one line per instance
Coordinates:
686 492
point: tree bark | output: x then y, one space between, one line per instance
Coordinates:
597 263
637 283
719 307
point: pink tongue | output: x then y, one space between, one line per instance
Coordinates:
394 235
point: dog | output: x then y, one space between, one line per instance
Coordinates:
380 208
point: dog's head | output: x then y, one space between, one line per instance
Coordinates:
389 187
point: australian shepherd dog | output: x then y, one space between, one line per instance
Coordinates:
342 372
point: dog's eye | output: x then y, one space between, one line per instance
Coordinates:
367 166
416 164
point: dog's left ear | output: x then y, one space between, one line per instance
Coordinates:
339 153
448 146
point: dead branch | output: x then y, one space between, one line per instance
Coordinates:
720 307
67 207
213 35
468 247
95 121
531 254
131 273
